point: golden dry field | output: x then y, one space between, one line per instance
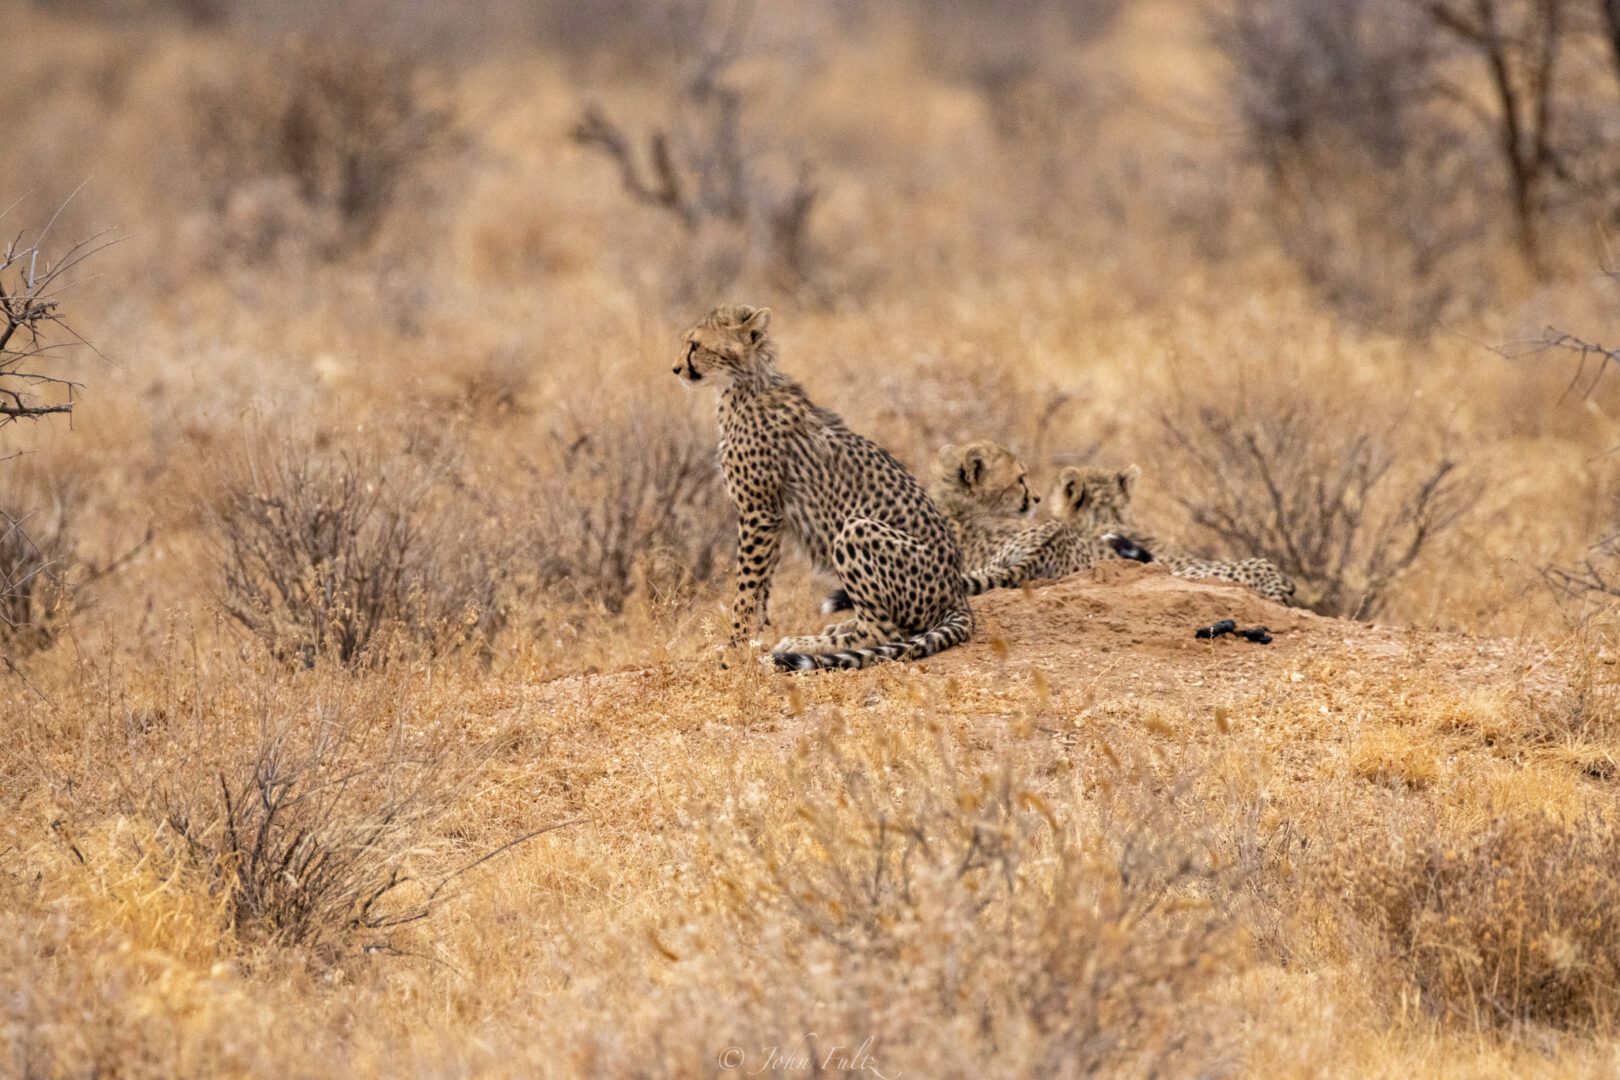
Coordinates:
363 709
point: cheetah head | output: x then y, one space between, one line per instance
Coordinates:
985 476
728 342
1094 498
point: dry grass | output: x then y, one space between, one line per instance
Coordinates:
1506 926
390 382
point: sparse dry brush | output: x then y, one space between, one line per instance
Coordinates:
312 145
38 557
627 501
453 589
1333 497
349 556
308 833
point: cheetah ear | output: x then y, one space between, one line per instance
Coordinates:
1127 479
972 467
752 323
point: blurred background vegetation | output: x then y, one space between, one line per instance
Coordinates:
1155 232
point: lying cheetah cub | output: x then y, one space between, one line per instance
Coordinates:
984 490
1100 499
793 469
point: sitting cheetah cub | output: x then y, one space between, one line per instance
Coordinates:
1100 499
984 490
794 469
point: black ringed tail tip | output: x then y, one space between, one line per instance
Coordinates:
954 630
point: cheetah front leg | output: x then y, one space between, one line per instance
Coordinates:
759 546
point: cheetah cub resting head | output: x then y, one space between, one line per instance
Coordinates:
983 488
981 477
1095 499
1100 499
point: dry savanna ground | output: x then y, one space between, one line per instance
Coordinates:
360 700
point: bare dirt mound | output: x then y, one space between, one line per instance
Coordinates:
1132 626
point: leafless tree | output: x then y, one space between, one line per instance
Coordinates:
33 327
701 164
1435 113
1356 72
1366 176
1521 45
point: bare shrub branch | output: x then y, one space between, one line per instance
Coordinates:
702 166
1592 358
1337 510
31 289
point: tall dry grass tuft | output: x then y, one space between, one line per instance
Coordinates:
948 909
1508 926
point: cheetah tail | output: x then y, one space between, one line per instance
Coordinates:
998 577
956 628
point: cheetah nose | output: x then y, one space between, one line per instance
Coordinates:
676 370
1035 498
